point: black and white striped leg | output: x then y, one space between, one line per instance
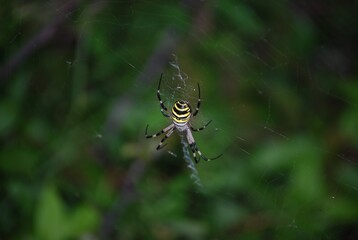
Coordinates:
198 105
202 156
161 145
158 133
195 150
164 112
199 129
192 148
163 108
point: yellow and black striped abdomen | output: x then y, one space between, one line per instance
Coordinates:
181 112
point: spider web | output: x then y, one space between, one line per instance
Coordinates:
284 114
179 89
257 111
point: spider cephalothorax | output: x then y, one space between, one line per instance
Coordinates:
181 114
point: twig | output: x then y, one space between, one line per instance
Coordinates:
113 126
43 37
156 62
126 196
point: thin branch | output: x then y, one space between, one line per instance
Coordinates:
43 37
113 125
127 195
156 62
152 69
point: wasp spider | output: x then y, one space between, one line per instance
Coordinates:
181 114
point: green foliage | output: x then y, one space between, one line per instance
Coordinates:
53 221
278 79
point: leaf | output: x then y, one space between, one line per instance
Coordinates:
50 216
82 220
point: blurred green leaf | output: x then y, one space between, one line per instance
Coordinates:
51 221
54 221
83 220
241 17
278 79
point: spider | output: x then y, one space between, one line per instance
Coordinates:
181 114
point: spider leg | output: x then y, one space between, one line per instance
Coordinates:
169 133
195 150
192 147
202 155
199 129
163 108
164 111
198 105
158 133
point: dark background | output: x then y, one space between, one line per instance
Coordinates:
78 84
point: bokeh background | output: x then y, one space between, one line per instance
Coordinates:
78 84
